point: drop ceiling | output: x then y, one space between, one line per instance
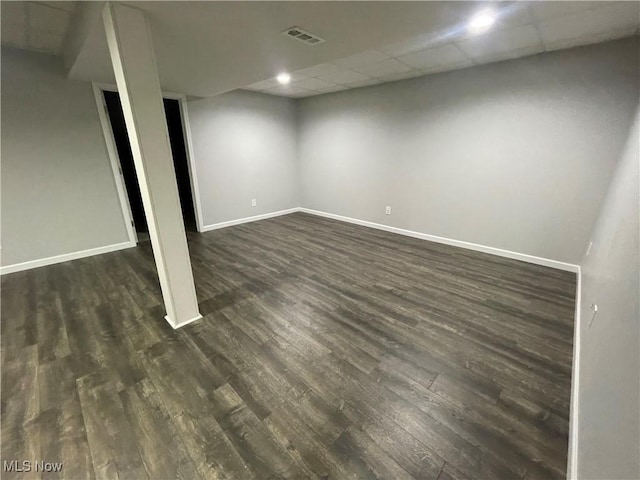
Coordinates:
37 26
522 29
207 48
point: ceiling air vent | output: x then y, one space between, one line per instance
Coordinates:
303 36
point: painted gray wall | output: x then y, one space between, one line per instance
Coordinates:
516 155
58 191
244 147
609 394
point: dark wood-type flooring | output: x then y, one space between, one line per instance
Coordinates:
327 350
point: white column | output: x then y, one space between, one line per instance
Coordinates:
131 49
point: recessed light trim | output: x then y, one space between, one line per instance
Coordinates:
283 78
481 22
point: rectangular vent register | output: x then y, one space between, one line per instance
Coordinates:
303 36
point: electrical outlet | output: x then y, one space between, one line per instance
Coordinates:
387 211
254 202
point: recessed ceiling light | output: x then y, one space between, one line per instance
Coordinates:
283 78
481 22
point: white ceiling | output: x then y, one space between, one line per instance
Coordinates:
206 48
38 26
523 29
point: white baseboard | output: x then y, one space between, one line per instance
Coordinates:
572 462
569 267
230 223
42 262
207 228
176 326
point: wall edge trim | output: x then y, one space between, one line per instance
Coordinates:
176 326
255 218
546 262
572 456
65 257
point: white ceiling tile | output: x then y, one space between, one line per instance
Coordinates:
364 58
508 15
590 39
68 6
365 83
253 88
47 19
298 77
45 42
319 70
618 16
403 48
499 56
445 55
13 12
622 15
14 23
446 68
264 84
313 93
501 41
383 69
313 84
337 88
402 76
513 14
543 10
343 76
409 45
14 35
285 90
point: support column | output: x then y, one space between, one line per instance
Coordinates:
131 49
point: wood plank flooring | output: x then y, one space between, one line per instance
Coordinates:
327 350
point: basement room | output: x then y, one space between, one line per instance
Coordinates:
320 240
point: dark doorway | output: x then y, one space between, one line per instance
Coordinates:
180 162
180 165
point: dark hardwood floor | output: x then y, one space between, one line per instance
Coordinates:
327 350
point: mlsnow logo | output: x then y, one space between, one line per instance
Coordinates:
29 466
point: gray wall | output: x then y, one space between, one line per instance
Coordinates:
58 191
516 155
609 394
244 147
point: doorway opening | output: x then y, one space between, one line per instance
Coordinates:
180 163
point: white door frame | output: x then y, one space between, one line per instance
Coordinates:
114 159
98 88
